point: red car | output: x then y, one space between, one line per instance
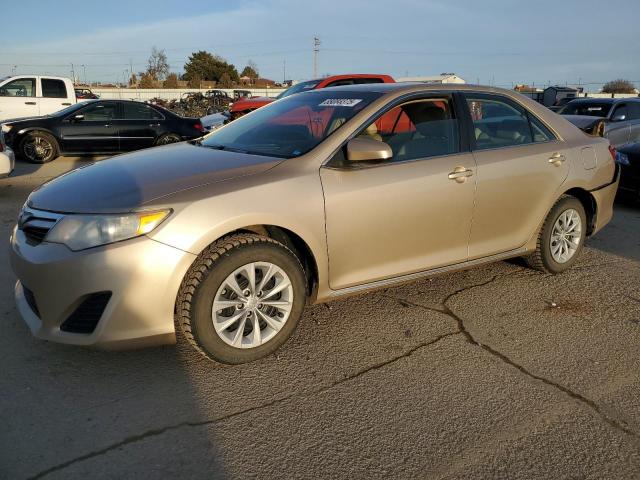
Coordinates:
247 105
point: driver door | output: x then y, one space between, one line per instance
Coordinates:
18 99
91 129
407 214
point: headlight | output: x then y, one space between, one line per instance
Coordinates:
622 158
79 232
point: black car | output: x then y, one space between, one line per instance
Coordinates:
98 127
628 157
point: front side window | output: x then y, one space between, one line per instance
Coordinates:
417 129
291 127
52 88
620 114
22 87
139 111
592 109
498 123
100 112
634 111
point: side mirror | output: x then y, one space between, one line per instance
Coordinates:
619 117
367 149
78 118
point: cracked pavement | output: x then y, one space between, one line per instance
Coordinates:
495 372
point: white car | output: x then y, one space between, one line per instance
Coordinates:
7 161
213 121
33 95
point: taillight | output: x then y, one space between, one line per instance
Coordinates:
613 152
198 126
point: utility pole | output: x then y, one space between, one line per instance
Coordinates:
84 70
73 75
284 71
316 49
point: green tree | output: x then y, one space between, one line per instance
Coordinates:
158 67
171 81
251 71
208 67
619 86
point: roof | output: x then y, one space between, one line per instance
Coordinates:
604 100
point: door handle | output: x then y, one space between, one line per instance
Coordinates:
108 125
557 159
154 124
460 174
66 103
29 103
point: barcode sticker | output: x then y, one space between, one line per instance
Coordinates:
340 102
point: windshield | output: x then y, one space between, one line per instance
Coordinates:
591 109
290 127
299 87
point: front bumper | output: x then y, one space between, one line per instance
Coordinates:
142 274
604 198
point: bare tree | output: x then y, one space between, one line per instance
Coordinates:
171 81
158 66
133 80
146 81
619 86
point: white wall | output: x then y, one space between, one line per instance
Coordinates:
171 93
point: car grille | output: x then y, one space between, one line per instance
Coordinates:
36 224
85 318
31 300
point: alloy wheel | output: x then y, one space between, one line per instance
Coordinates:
38 149
566 236
252 305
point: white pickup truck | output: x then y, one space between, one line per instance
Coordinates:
33 95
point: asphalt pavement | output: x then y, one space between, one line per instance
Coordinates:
497 372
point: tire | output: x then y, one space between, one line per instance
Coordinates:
39 147
544 258
206 286
167 138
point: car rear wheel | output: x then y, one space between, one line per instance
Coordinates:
168 138
561 238
39 147
242 298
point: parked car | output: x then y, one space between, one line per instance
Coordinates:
33 95
617 119
242 107
629 160
98 127
85 94
7 158
317 196
240 94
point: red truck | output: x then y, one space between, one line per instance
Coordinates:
247 105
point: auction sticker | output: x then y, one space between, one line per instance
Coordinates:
340 102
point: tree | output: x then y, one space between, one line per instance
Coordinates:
225 80
171 81
251 71
208 67
146 81
619 86
158 67
133 80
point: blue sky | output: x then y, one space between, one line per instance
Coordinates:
490 41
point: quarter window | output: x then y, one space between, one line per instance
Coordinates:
539 131
417 129
22 87
140 111
52 88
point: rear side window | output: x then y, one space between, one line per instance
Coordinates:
52 88
634 111
140 111
417 129
22 87
498 122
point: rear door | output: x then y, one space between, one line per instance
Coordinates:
139 126
53 95
521 164
18 98
91 129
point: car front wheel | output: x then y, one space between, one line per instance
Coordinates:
561 238
39 147
242 298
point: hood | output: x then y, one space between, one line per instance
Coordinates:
583 121
17 121
127 182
